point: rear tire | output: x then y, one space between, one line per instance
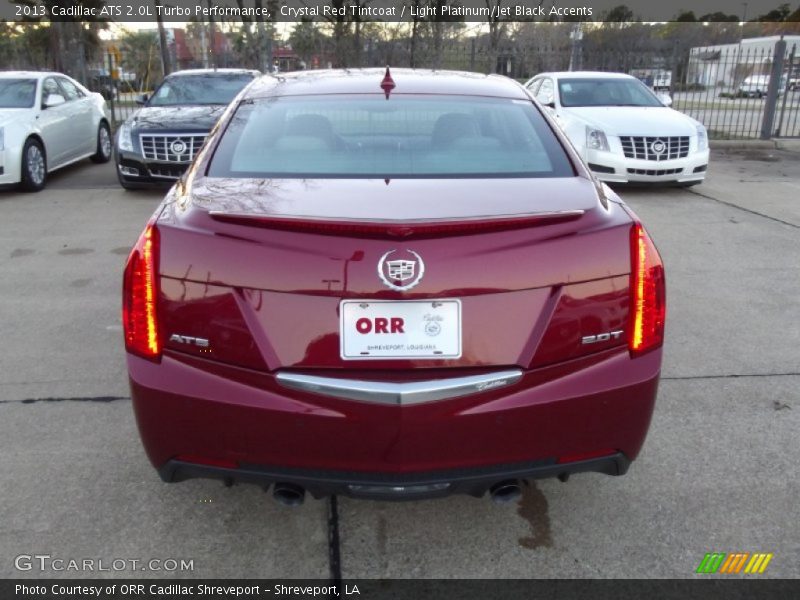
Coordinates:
33 167
103 154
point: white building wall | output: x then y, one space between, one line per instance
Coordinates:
728 64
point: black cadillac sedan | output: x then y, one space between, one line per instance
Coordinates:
158 142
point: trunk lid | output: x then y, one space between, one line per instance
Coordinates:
268 298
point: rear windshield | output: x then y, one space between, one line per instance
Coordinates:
199 89
405 136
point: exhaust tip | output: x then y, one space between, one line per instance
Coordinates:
505 491
288 494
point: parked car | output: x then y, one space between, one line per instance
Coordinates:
622 129
48 121
391 285
756 86
102 83
157 143
659 80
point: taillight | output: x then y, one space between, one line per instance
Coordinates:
140 297
648 294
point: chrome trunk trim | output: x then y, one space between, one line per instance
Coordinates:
400 394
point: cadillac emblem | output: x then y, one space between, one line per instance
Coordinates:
658 147
177 147
402 272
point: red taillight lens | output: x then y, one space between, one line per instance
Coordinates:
648 294
140 297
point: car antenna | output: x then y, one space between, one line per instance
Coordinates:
387 84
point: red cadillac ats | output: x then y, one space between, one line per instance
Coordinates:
391 285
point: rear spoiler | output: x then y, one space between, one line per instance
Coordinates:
398 229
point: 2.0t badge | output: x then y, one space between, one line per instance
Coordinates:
402 268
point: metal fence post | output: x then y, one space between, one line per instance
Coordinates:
111 99
786 91
472 56
772 91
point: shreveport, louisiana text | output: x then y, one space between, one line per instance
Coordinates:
177 589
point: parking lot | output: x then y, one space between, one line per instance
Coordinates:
719 471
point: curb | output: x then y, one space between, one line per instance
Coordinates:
791 145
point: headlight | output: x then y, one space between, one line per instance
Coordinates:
2 139
596 139
124 140
702 138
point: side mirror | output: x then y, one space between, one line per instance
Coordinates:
53 100
141 99
551 104
666 100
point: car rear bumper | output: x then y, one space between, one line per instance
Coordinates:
203 419
392 486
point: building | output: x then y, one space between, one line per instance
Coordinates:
726 65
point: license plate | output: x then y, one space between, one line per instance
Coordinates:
390 329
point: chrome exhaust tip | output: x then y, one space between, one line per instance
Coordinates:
505 491
288 494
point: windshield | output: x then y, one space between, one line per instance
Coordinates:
406 136
199 89
605 92
17 93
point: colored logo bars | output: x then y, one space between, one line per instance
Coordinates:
720 562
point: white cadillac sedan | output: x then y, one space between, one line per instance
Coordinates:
47 121
621 129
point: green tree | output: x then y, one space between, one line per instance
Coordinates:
776 14
619 14
718 17
307 41
140 55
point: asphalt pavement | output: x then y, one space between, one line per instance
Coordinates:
720 469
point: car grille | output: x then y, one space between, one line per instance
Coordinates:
643 147
167 171
655 172
174 147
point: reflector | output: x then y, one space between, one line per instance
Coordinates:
568 458
210 462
